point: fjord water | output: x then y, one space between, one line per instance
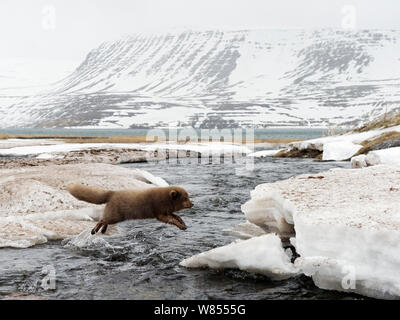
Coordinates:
143 261
270 133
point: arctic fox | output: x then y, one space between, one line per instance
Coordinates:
159 203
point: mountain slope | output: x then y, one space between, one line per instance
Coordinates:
223 79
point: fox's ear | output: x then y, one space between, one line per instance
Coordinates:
174 194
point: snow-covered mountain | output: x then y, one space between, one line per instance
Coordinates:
222 79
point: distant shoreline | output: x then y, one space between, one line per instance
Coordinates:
270 135
132 139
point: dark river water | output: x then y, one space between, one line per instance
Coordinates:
143 261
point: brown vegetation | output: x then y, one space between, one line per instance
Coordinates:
387 120
129 139
299 153
368 145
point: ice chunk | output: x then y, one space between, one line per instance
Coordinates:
268 210
348 228
340 275
340 150
359 161
264 255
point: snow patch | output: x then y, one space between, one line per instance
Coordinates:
340 147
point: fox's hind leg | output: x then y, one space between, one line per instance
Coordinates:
110 216
98 226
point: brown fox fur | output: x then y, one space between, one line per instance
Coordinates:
159 203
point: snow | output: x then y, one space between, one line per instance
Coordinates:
268 210
340 147
148 177
341 150
339 76
264 153
342 275
384 156
347 227
359 161
262 250
45 156
264 255
12 143
44 151
376 157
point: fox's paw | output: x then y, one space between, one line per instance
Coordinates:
180 224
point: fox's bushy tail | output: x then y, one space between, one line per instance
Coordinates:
89 194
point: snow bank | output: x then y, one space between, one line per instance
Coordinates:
340 147
264 153
340 150
347 225
35 206
12 143
384 156
268 210
45 150
264 255
372 158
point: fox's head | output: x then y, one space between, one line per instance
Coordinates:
180 198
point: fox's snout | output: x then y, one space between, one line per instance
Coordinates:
188 204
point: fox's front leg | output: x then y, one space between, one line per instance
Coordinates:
173 219
98 226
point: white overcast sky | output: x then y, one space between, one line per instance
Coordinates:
26 31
